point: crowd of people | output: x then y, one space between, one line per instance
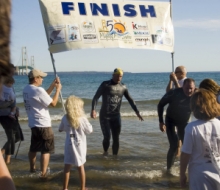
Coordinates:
200 139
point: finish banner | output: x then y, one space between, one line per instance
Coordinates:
84 24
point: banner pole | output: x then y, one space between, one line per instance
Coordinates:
55 73
172 54
54 68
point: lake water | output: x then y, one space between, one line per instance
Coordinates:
141 163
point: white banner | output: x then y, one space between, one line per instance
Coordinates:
107 24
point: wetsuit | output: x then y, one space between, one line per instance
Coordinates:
109 116
177 114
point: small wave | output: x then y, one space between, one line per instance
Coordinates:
137 174
143 113
37 174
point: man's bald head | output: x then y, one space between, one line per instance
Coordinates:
180 72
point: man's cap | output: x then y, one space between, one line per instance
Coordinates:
36 73
118 71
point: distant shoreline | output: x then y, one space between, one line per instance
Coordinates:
107 72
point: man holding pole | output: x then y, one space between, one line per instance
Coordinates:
36 101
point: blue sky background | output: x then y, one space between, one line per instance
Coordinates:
197 42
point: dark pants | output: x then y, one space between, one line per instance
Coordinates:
13 133
173 139
111 126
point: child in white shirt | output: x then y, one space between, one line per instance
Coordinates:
76 126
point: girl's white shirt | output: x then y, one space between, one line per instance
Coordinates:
75 143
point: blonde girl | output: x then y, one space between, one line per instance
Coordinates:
76 126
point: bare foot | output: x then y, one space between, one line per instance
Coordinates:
105 154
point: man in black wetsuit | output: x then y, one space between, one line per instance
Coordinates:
177 114
112 92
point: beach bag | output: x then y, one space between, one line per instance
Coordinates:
214 155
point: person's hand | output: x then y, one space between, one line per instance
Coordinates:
183 179
93 114
139 116
58 86
57 80
53 84
162 127
173 77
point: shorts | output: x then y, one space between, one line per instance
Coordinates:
42 140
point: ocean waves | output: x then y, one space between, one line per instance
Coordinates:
58 117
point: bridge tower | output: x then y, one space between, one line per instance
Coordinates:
24 60
25 67
32 61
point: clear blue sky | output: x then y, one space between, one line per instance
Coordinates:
197 42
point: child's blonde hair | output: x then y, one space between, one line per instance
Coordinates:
74 110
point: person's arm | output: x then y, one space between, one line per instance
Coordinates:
6 181
166 99
56 95
173 81
87 127
95 99
169 86
184 160
132 103
53 85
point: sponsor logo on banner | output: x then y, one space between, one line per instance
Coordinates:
114 30
157 39
126 39
140 29
162 36
73 33
87 26
90 38
141 33
56 34
139 26
143 41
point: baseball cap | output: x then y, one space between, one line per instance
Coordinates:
36 73
118 71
